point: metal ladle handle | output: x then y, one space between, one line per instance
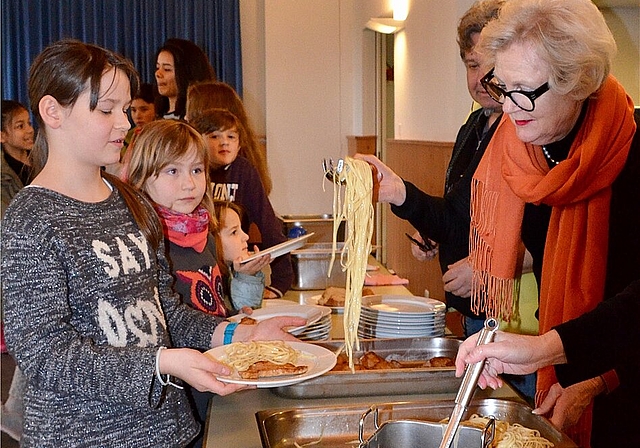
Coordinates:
469 383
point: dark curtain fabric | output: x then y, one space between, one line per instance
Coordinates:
134 28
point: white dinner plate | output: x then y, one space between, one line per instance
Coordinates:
409 305
312 313
319 360
281 249
364 320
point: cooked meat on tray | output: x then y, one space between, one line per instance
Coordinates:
372 361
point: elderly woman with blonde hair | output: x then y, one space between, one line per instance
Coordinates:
561 175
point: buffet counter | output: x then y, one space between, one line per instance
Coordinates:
232 420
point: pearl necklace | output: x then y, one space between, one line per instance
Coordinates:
548 156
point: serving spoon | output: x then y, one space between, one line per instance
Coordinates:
468 386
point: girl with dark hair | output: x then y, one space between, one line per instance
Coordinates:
179 63
17 140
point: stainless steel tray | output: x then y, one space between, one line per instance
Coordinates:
337 426
385 382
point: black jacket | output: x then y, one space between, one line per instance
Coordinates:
446 219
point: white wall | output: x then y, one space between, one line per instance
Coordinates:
625 26
431 97
316 89
253 62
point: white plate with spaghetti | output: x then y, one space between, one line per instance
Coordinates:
280 249
318 360
312 313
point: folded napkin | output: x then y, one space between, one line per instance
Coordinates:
384 279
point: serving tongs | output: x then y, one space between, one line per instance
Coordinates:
468 386
337 173
334 173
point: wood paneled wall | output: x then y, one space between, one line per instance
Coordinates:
424 164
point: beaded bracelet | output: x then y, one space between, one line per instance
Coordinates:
228 332
166 382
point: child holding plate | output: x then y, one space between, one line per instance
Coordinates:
168 163
91 318
245 284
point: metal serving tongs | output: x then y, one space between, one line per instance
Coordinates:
334 173
468 386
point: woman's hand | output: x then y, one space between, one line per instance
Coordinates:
253 266
392 189
566 405
421 255
457 280
510 353
197 369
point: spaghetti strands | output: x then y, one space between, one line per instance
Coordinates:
356 209
241 355
509 435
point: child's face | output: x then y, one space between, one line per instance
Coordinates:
166 75
19 132
223 147
179 186
234 240
142 112
97 137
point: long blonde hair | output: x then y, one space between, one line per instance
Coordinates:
215 94
161 142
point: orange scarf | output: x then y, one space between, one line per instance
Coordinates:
513 173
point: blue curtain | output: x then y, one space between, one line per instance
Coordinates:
134 28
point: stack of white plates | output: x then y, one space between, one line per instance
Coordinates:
389 316
318 318
318 331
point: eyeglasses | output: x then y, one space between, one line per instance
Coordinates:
524 100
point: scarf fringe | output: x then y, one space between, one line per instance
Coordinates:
494 296
489 294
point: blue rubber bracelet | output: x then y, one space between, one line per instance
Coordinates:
228 332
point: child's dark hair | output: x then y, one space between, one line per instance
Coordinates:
64 70
191 65
146 93
216 119
9 109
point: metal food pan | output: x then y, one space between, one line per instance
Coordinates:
311 265
422 380
420 434
337 426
